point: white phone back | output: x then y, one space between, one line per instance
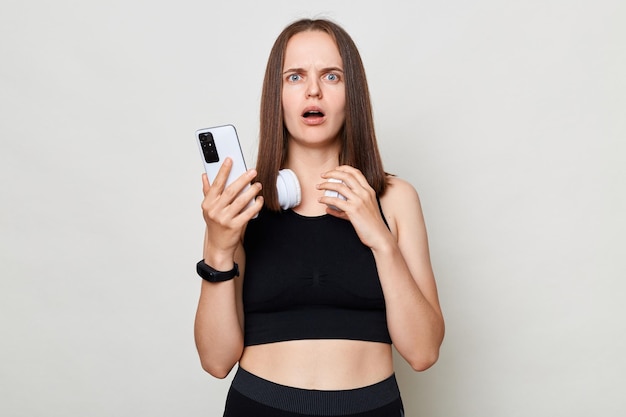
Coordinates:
227 145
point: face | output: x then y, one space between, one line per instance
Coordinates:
314 94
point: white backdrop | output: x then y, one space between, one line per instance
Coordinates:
509 117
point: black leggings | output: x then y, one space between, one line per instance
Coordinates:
251 396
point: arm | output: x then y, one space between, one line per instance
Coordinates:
414 315
218 328
402 257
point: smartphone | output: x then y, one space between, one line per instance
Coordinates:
216 144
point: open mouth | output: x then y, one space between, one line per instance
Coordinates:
312 113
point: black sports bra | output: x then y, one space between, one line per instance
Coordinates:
309 278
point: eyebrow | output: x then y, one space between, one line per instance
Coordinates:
328 69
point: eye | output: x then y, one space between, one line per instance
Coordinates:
332 77
294 78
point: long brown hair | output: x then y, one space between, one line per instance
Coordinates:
358 139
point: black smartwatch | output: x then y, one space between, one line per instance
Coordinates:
213 275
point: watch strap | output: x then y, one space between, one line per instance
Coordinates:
208 273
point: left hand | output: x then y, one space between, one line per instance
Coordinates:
360 206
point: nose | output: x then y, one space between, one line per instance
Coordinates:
313 89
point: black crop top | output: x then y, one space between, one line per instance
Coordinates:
309 278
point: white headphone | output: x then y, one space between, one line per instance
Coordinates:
288 187
289 192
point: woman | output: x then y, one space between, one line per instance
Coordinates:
324 289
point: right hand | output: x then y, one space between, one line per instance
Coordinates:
225 212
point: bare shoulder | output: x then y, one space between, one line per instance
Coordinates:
401 204
400 196
399 188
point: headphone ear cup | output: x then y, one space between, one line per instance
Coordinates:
288 187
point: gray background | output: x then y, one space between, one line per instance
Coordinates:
509 117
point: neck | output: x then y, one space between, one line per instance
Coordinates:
312 160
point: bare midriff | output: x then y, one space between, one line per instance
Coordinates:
320 364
